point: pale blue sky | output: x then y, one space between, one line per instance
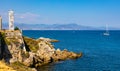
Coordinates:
83 12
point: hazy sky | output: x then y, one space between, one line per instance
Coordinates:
83 12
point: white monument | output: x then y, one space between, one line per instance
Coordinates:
11 20
0 23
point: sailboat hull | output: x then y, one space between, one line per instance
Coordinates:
106 34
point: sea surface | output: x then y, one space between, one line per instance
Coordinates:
100 53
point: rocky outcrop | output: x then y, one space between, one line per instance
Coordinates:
12 46
32 52
63 55
47 39
45 53
40 55
0 46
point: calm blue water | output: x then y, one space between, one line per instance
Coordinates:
100 53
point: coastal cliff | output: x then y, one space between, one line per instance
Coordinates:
30 52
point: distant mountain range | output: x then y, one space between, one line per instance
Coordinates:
55 27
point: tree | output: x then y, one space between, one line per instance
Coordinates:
16 28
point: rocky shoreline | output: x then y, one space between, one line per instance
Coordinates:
29 52
46 53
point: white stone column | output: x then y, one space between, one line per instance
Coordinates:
0 23
11 20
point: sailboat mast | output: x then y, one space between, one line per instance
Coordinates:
107 28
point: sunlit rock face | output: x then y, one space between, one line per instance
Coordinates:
12 44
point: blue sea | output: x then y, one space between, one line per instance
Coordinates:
100 53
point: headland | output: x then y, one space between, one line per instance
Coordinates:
24 53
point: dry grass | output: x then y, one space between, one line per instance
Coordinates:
4 67
20 67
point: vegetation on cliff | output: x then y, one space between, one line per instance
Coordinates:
16 28
21 67
16 66
31 44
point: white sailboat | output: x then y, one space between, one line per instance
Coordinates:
107 32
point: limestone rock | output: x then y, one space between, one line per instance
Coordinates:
29 61
32 52
47 39
12 44
62 55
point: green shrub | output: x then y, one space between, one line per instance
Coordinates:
16 28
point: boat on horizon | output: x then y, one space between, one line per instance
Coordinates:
107 32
